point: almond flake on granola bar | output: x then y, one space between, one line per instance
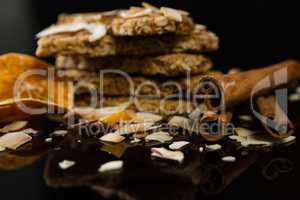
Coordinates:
148 5
97 31
200 27
171 14
131 14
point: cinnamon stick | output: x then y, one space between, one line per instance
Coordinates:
274 119
236 88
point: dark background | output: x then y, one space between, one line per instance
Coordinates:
252 32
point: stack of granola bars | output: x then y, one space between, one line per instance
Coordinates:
146 52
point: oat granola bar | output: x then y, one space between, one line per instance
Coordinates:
120 85
137 21
200 40
167 65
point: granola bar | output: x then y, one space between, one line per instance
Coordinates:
125 85
79 43
167 65
137 21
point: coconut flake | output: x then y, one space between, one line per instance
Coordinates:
213 147
245 142
171 13
14 126
288 139
228 159
111 12
97 31
131 14
29 131
65 164
57 148
13 140
135 140
112 137
201 149
60 132
159 136
200 27
62 28
111 166
178 145
48 140
294 97
247 118
148 5
249 138
145 117
82 18
94 16
167 154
